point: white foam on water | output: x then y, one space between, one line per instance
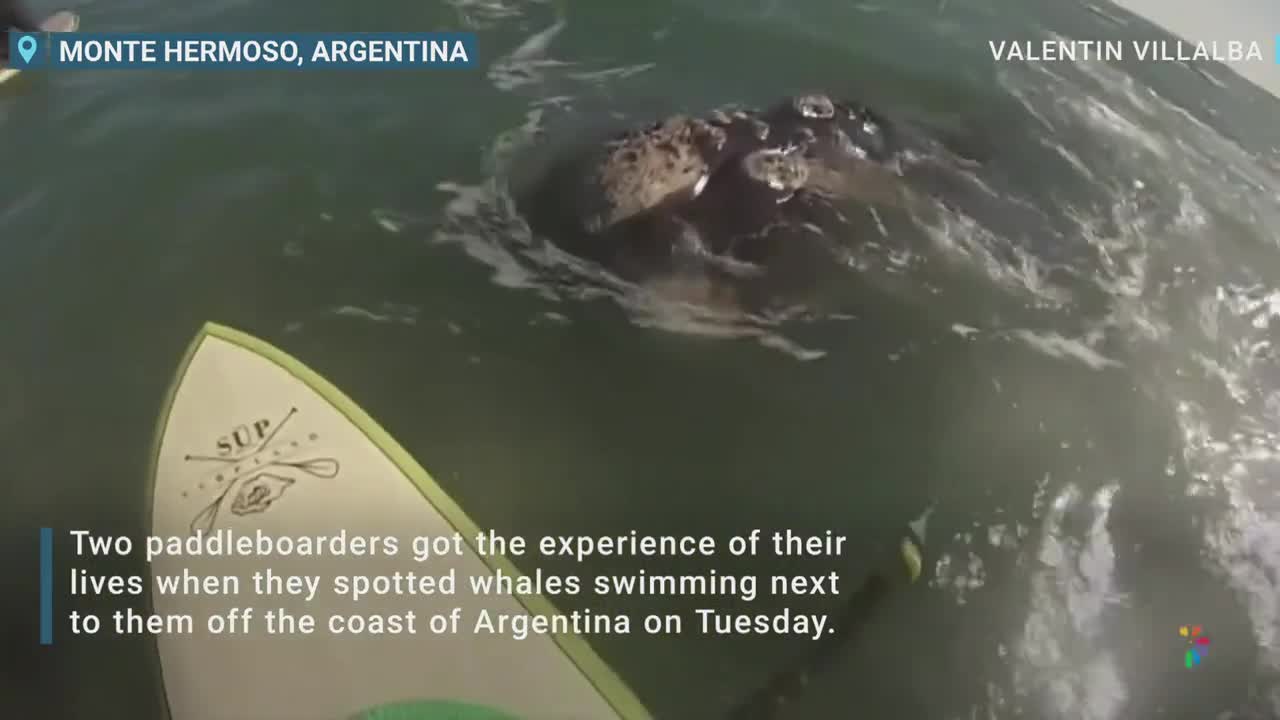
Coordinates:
485 14
389 220
1073 159
959 577
387 313
962 235
1245 540
1203 345
1062 655
528 63
1106 15
1003 77
1103 117
1116 83
537 44
612 74
1056 345
1209 76
508 75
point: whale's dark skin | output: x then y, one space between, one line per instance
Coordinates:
738 197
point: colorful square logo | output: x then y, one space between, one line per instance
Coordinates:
1198 641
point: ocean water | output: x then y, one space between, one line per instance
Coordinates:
1078 371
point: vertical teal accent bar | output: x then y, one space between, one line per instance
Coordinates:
46 586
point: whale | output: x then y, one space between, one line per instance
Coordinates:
735 201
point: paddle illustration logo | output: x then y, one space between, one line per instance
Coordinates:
28 50
1199 644
256 464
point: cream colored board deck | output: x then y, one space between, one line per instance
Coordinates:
250 440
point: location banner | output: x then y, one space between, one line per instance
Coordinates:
295 51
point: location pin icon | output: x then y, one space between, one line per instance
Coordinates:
27 48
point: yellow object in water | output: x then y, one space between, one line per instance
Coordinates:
911 556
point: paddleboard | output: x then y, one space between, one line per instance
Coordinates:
63 21
251 440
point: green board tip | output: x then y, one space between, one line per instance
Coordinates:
432 710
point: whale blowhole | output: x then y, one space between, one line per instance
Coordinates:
782 169
818 107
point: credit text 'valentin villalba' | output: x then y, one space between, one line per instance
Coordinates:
1145 50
